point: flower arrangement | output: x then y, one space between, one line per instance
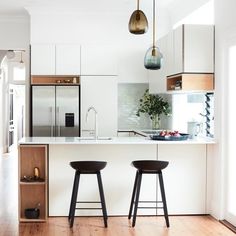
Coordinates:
154 105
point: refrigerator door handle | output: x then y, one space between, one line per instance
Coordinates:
50 108
58 122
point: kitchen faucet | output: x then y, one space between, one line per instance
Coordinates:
96 122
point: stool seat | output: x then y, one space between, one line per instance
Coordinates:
152 166
88 166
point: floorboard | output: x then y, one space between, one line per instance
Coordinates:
93 226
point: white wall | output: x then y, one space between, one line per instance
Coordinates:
100 28
15 34
225 28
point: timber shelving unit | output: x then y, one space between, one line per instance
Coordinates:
33 192
190 82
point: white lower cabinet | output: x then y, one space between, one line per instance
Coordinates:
184 178
117 177
101 93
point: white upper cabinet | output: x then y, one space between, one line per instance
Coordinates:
43 59
157 78
193 49
55 59
101 93
67 59
98 60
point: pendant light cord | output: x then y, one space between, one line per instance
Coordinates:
154 22
138 5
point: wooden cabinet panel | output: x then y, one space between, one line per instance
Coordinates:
190 82
33 191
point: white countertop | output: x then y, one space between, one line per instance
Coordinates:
113 140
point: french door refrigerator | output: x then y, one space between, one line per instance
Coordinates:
55 111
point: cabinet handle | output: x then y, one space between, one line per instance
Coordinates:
51 121
58 125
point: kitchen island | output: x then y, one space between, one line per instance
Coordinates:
185 178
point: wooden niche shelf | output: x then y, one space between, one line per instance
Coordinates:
190 82
33 188
55 80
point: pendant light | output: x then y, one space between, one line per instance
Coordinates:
153 56
21 62
138 23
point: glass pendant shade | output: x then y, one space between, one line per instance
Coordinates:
138 23
153 58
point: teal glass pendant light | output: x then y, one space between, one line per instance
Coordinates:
138 23
153 57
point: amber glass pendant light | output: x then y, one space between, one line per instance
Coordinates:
153 57
138 23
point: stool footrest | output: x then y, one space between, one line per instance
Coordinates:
91 208
150 207
151 201
87 202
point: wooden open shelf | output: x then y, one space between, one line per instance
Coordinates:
32 193
190 82
55 80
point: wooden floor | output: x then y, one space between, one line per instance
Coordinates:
93 226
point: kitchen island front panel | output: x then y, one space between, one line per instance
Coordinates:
118 177
185 178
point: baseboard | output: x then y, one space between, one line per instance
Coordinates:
228 225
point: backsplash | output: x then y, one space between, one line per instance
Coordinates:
129 95
128 102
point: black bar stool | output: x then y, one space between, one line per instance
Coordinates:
86 167
147 167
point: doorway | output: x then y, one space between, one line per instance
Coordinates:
12 102
16 115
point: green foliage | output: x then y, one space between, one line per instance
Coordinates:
153 105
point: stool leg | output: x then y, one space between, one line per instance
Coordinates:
73 192
74 199
137 198
104 210
133 196
163 196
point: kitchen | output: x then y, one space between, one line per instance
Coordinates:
82 36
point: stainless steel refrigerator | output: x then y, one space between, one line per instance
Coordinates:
55 111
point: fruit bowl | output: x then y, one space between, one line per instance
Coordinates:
170 136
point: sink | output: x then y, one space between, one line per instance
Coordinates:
92 138
104 138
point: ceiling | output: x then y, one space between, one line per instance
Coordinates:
17 7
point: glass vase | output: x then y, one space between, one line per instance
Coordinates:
156 122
